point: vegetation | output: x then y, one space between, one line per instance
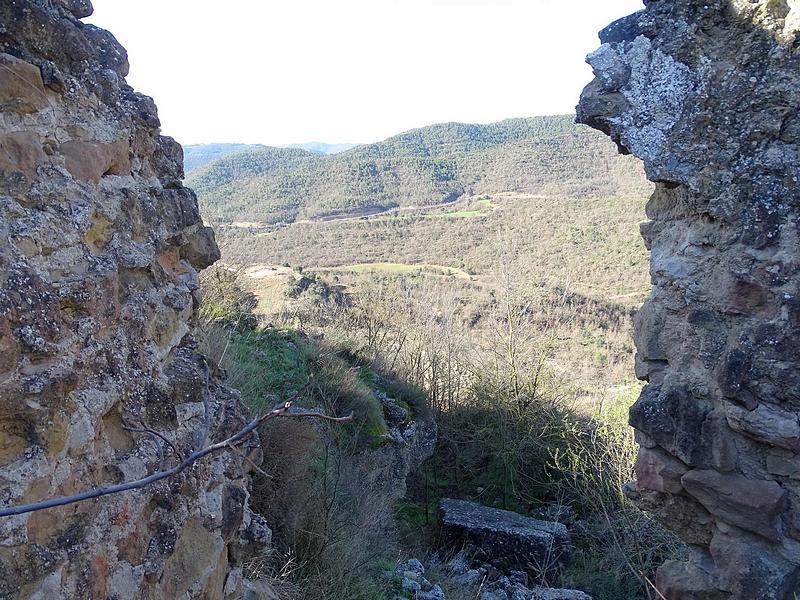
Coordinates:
423 167
514 431
507 313
197 155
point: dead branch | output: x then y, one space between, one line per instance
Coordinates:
161 473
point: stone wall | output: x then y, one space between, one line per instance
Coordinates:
707 94
100 247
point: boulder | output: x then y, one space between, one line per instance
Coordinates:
678 580
258 590
435 593
508 539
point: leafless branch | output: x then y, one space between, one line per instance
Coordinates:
156 434
250 462
161 473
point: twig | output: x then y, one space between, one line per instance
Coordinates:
153 432
237 438
249 461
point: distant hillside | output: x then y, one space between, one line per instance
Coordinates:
321 147
197 155
423 167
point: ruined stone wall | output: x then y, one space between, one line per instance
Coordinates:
707 94
100 247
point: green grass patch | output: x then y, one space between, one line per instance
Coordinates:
267 365
270 365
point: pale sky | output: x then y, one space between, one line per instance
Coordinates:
287 71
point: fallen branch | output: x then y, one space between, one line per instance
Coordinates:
162 473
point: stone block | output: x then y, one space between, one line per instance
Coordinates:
508 538
656 470
21 86
21 152
753 505
90 161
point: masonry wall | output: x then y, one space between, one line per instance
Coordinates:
100 247
707 94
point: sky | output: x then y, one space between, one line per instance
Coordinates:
289 71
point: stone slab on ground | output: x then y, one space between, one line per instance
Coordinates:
507 538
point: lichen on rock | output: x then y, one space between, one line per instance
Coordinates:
100 245
706 93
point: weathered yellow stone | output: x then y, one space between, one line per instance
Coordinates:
12 439
99 233
38 490
197 551
56 432
62 522
9 352
119 439
216 582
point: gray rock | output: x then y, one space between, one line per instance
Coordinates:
435 593
542 593
412 565
258 590
395 414
410 585
559 513
468 579
458 565
507 538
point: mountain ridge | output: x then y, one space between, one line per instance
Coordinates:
421 167
198 155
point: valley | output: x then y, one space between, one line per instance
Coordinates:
467 362
506 300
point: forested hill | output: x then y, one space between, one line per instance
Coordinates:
550 156
197 155
322 147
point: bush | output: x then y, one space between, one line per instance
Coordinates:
224 298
